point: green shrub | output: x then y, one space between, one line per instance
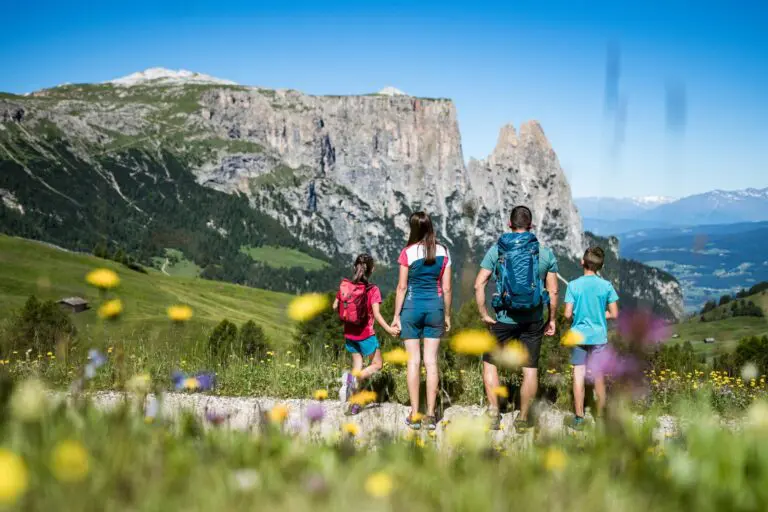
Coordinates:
222 340
252 342
40 326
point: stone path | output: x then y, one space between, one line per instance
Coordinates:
243 413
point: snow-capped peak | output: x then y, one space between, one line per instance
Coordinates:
652 200
392 91
168 76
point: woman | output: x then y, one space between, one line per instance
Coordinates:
423 310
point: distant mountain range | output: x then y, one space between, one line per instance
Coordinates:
612 216
708 261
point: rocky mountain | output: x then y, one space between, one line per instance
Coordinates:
173 159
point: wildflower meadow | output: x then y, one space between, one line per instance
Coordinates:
60 443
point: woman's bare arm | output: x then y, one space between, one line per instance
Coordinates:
402 289
380 320
447 296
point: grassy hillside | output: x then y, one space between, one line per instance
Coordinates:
727 332
283 257
28 268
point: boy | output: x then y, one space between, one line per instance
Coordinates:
590 302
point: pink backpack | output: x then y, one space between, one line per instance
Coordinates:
353 302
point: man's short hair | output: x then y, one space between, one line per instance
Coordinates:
521 217
594 257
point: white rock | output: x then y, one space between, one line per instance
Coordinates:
168 76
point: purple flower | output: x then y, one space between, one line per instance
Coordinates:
151 408
641 326
96 358
206 380
315 413
610 363
178 378
203 381
95 361
216 418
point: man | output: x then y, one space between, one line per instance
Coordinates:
518 316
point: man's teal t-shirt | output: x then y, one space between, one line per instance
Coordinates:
547 263
590 296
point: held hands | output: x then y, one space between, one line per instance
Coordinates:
447 323
551 328
394 328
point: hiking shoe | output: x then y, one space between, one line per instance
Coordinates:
354 410
494 419
429 423
413 424
522 425
576 423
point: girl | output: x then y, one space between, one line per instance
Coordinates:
423 310
358 304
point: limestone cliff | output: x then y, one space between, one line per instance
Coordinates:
338 174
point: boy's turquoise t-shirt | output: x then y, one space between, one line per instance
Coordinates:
547 263
590 296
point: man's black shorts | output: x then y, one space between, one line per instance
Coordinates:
530 335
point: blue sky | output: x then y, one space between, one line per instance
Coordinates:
501 62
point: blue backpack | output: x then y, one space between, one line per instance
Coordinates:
518 285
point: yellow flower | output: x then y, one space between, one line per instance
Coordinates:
29 400
103 278
111 309
501 391
13 477
396 356
572 338
190 383
69 461
474 342
513 355
379 485
555 460
321 394
139 384
305 307
416 417
180 313
356 373
109 350
351 429
757 416
278 414
362 398
467 432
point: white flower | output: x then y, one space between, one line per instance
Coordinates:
29 400
246 479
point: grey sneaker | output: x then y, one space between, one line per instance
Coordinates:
522 425
429 423
494 418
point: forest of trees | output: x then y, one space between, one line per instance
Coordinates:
162 207
738 305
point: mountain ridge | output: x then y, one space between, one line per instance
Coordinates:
330 175
613 216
